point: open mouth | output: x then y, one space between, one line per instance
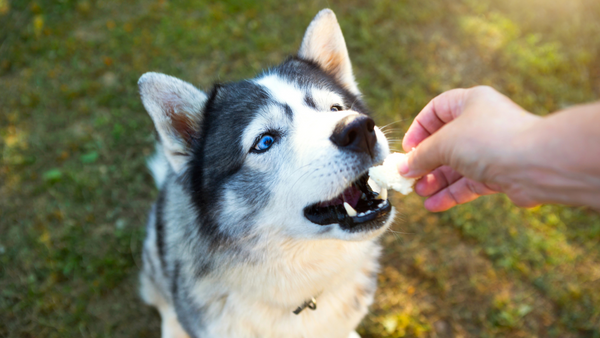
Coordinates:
357 208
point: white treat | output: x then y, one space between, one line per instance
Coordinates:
387 175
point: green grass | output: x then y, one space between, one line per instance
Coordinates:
73 137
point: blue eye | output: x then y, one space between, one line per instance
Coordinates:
336 107
264 143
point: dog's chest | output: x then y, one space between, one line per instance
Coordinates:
336 315
259 301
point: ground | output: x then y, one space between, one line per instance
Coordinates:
74 190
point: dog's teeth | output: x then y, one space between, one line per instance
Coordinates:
373 185
382 195
350 210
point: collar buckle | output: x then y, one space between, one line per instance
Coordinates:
311 304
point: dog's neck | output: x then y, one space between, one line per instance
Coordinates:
293 272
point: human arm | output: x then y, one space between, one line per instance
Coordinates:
478 142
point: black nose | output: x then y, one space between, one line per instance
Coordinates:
355 133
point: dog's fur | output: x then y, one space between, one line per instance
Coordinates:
229 251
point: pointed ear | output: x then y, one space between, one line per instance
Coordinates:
176 109
324 43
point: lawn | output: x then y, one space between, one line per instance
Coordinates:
74 189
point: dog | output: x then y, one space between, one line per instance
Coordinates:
265 224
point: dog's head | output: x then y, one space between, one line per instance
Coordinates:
286 152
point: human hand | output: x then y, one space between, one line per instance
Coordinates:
467 143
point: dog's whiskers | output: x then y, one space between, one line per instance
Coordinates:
353 102
304 174
389 124
390 131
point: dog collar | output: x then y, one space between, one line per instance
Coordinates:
311 304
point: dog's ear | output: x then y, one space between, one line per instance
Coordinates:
176 109
324 43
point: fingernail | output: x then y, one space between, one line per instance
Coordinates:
403 166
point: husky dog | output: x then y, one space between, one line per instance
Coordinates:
264 208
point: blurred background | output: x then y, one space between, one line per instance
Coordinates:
74 190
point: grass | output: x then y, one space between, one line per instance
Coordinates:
73 137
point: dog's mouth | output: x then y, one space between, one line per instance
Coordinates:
357 208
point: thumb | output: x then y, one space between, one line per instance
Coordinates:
428 155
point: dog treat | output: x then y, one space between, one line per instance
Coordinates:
387 175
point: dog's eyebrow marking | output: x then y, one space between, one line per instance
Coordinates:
309 101
288 111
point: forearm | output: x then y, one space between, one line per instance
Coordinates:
559 159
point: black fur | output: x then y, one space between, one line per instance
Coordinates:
160 227
217 153
189 314
288 111
202 268
175 278
309 101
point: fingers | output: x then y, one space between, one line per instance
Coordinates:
462 191
439 111
436 181
430 154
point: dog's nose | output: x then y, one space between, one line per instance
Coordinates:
355 133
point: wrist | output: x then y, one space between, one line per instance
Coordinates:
520 163
554 160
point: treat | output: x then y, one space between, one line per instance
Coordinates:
386 176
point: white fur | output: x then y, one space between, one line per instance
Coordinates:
158 165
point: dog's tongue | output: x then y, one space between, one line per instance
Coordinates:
351 196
